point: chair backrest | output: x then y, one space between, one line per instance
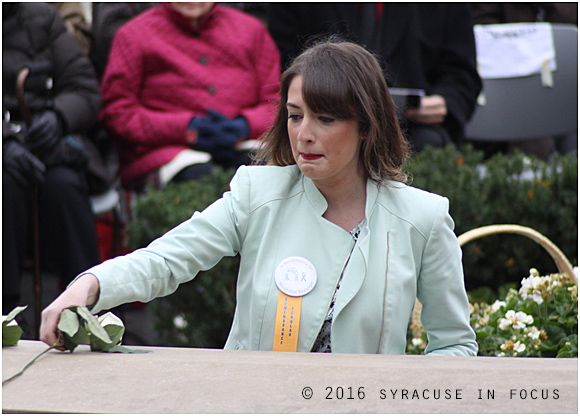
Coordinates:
521 108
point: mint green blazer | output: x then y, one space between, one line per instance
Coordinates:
406 250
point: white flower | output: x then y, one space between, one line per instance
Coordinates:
417 342
516 320
497 305
504 323
510 345
534 272
574 292
483 321
519 347
179 322
533 333
532 287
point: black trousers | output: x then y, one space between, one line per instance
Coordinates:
68 236
421 135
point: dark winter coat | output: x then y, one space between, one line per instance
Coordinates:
35 33
430 46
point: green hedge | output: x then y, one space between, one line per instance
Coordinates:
512 189
504 189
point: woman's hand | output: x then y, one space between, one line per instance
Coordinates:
433 110
83 292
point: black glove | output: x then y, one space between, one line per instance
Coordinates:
217 134
23 166
44 132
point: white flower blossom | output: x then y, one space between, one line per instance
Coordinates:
532 287
519 347
516 320
574 292
179 322
533 333
510 345
417 342
497 305
483 321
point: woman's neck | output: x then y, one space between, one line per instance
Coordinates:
346 202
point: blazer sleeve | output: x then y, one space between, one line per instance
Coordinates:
441 291
195 245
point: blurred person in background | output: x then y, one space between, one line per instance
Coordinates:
428 46
187 86
45 153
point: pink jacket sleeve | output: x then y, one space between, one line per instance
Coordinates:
267 66
122 113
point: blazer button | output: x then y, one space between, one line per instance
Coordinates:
211 89
204 60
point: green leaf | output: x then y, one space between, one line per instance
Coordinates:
11 331
570 348
568 321
10 335
555 334
114 328
69 327
93 326
81 337
68 323
124 350
13 313
483 334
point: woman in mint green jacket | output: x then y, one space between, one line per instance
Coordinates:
335 246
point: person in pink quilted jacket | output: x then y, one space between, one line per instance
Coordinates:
188 86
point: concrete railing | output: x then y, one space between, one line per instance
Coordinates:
188 380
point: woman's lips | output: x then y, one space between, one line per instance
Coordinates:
310 156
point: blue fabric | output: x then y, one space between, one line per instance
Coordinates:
217 134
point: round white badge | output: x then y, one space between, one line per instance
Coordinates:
295 276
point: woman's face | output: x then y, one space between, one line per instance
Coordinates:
193 11
326 149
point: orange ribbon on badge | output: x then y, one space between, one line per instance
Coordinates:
287 322
295 277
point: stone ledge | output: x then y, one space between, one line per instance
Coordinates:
189 380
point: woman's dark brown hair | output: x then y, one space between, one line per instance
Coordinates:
343 80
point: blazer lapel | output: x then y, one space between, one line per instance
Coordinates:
357 268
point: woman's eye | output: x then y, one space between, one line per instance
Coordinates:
326 119
293 117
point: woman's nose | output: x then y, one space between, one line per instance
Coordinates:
305 133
